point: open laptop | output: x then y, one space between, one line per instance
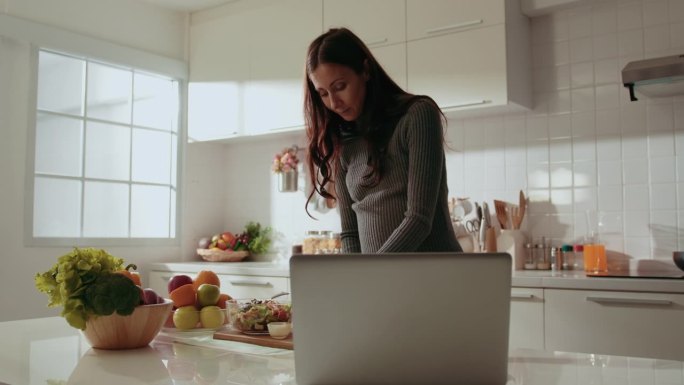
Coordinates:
409 318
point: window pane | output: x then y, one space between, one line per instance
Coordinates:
172 225
154 102
56 208
150 211
60 83
59 145
107 151
109 93
174 160
151 156
105 210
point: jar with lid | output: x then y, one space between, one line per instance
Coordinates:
542 257
311 240
568 257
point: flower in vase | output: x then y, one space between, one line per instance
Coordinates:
285 161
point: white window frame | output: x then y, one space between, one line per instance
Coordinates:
61 41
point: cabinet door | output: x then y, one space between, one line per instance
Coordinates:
460 70
219 69
615 323
434 17
527 319
393 59
247 286
363 18
279 37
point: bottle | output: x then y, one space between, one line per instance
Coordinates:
530 260
579 257
556 254
568 257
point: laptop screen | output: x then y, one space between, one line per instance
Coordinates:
404 318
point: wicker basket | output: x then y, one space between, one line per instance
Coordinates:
222 255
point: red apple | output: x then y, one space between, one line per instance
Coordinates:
151 296
177 281
228 237
221 244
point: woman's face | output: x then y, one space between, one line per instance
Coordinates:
342 90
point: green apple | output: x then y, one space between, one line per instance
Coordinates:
212 317
208 294
186 317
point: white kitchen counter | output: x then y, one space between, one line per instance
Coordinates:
48 351
570 279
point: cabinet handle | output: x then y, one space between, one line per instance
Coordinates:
250 283
454 26
467 104
522 296
375 42
630 301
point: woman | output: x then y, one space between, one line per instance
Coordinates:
383 147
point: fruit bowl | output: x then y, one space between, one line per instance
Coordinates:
127 332
213 255
190 319
252 316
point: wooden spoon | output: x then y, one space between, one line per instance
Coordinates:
501 213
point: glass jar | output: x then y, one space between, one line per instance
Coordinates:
310 243
530 260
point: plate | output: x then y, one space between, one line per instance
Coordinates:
192 332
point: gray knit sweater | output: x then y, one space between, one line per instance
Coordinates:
408 210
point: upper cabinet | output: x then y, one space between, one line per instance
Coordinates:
247 67
381 24
469 56
247 58
376 22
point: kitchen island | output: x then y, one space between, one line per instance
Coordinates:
48 351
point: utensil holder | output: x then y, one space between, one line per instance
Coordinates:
513 243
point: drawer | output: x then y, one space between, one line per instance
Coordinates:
527 319
616 323
249 286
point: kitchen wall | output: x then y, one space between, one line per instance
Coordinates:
147 29
583 146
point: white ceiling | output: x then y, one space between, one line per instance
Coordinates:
187 5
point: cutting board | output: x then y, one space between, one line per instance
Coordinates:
261 340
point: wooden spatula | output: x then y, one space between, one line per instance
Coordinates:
518 213
501 213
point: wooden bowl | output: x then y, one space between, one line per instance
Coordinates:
127 332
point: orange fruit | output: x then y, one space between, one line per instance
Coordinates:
183 295
206 276
223 298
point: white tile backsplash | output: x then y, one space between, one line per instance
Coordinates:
584 145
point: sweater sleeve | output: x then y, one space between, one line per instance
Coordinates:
350 230
423 135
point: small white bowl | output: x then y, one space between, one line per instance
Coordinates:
279 330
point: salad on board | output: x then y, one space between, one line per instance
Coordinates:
254 315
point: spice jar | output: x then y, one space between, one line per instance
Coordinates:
530 261
542 257
310 243
568 257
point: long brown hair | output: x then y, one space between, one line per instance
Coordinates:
384 104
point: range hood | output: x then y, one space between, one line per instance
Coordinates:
663 76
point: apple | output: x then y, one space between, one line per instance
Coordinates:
212 317
208 294
227 237
177 281
150 296
204 243
186 317
221 244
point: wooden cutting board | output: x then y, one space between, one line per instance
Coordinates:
261 340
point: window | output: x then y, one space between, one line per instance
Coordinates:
106 151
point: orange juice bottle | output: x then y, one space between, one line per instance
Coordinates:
589 258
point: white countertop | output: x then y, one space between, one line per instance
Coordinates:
567 279
48 351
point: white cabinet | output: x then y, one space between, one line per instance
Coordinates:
615 323
376 22
434 17
527 318
392 58
468 65
246 67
